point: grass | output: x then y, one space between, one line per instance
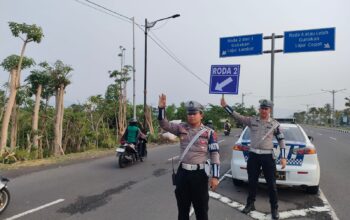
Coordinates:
90 154
57 160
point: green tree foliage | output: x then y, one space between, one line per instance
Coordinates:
11 62
32 32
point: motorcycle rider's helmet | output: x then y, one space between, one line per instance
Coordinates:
133 121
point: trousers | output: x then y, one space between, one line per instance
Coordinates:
192 188
268 165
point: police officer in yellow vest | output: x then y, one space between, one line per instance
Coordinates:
192 180
262 130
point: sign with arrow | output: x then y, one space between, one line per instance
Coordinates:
309 40
224 79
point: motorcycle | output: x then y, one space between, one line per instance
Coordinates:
4 194
227 132
129 153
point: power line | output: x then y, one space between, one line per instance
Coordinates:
158 42
172 55
113 13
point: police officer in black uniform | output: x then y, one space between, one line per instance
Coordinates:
262 130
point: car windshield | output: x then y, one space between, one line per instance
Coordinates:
290 134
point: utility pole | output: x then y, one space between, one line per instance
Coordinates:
244 94
333 103
133 69
149 25
272 51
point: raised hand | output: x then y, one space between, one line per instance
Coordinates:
223 102
162 101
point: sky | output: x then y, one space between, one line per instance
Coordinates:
89 41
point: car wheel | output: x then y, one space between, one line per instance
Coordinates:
237 182
312 189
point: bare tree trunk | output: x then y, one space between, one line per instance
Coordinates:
66 138
149 120
120 116
36 116
79 144
14 127
43 130
8 111
116 122
57 142
29 144
61 117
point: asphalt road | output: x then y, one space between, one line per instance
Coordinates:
99 189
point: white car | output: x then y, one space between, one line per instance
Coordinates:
302 168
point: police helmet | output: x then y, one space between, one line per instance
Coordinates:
264 103
210 121
194 107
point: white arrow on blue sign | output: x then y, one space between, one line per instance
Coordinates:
309 40
224 79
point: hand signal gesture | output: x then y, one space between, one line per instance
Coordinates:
223 102
162 101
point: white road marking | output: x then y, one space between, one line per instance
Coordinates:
34 210
325 201
191 211
319 134
283 215
173 158
333 138
225 175
220 141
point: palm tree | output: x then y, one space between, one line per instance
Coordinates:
60 74
11 64
37 80
347 104
120 78
28 33
314 112
328 111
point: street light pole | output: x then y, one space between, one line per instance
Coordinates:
145 82
147 26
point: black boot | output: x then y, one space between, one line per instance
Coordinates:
274 213
248 208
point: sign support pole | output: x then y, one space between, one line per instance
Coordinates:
272 51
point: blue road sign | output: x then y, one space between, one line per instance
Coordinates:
241 45
224 79
309 40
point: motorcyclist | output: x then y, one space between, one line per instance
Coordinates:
133 134
227 126
210 124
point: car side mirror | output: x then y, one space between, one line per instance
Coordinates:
311 138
